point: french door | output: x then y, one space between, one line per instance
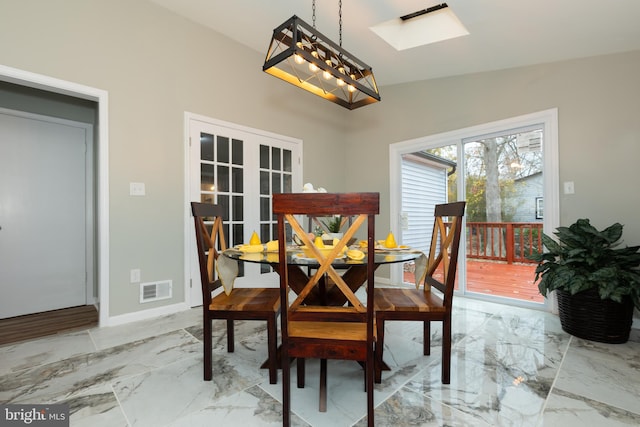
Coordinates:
239 168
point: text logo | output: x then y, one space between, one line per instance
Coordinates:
34 415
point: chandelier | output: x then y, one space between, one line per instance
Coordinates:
301 55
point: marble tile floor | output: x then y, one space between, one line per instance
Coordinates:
510 367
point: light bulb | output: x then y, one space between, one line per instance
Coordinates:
340 82
326 74
313 67
298 58
351 88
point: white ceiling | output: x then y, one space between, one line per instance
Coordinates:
503 33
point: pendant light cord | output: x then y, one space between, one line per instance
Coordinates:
313 15
339 19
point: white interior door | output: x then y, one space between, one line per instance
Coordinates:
43 234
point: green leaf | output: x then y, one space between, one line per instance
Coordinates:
581 257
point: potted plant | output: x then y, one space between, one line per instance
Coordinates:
597 281
334 225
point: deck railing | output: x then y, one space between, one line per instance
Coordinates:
503 241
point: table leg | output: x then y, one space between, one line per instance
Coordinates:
323 385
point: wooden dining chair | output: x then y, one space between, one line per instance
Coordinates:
423 304
344 331
241 303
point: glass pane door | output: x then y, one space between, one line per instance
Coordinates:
429 177
241 170
501 177
504 191
276 176
222 181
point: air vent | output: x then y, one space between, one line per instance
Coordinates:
154 291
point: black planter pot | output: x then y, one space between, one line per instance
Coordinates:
585 315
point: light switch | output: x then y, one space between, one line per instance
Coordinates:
134 275
568 187
136 189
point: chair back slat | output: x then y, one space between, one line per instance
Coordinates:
208 250
324 204
325 263
443 253
362 206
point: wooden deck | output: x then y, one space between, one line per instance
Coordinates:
500 279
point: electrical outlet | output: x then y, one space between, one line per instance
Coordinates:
137 189
135 275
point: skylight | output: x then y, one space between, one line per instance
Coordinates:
420 28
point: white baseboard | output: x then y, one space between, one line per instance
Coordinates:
382 280
145 314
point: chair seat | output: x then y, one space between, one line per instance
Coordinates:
407 300
329 340
347 331
248 299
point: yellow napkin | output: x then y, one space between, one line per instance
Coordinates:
251 248
227 269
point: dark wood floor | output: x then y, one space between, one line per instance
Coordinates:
37 325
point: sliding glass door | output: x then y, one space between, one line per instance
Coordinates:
505 172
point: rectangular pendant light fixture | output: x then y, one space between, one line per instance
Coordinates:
304 57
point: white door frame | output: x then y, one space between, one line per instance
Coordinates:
39 81
549 121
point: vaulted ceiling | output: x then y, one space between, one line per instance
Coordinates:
502 33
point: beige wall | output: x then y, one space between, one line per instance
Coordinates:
598 102
155 66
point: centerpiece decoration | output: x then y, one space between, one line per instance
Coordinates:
334 225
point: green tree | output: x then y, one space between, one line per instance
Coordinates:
492 166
